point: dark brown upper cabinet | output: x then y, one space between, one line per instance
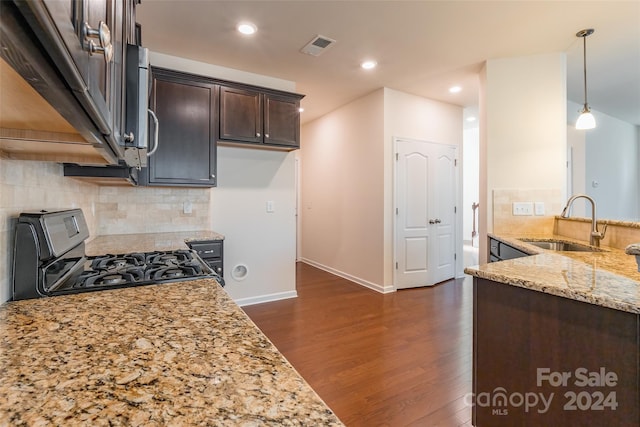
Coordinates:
185 105
73 54
259 116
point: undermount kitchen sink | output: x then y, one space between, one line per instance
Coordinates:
559 245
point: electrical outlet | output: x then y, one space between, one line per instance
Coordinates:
187 207
539 208
522 208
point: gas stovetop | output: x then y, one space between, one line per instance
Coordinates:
49 259
140 268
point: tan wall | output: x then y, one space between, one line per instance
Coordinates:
523 129
342 177
347 180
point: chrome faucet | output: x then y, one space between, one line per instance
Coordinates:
595 236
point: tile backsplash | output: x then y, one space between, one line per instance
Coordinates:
127 210
504 222
32 185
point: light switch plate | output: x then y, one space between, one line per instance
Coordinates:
539 208
270 206
522 208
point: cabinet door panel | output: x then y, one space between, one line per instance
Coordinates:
90 72
282 121
186 138
98 81
240 115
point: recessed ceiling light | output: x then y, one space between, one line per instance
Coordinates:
247 28
455 89
369 65
471 119
301 110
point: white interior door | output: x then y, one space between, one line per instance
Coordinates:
425 213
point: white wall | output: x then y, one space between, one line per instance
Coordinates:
264 242
216 71
610 159
523 128
247 179
470 187
414 117
576 162
342 177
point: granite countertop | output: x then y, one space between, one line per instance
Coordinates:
172 354
143 242
608 278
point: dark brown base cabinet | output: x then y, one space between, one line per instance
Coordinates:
211 252
543 360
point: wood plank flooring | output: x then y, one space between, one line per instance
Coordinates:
400 359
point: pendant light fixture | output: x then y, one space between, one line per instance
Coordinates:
586 119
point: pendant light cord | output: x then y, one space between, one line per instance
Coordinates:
584 53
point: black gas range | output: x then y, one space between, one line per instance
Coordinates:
49 259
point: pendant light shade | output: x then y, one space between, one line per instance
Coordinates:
586 119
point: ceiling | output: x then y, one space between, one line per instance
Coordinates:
422 47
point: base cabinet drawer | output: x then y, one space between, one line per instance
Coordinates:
211 252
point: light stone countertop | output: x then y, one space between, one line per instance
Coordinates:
144 242
609 278
173 354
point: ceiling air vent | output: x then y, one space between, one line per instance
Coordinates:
318 45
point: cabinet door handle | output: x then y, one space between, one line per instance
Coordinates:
103 34
155 133
437 221
431 221
258 134
213 176
266 135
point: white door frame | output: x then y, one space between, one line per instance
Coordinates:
457 229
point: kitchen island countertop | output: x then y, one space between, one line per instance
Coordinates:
178 353
606 278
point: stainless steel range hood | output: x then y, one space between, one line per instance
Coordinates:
120 175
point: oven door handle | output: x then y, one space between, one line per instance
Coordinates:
79 265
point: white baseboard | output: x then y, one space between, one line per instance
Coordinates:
359 281
266 298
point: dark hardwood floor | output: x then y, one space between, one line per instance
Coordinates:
398 359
